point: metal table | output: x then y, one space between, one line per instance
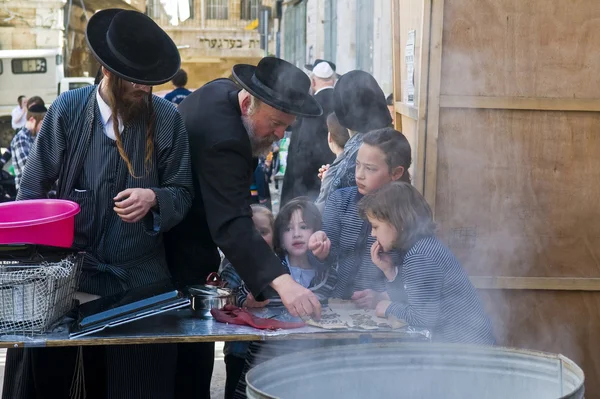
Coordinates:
182 327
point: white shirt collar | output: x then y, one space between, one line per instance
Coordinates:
106 113
323 88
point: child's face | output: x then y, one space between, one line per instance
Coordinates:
295 237
372 171
263 225
383 232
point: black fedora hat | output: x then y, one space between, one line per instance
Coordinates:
312 66
280 85
359 103
132 46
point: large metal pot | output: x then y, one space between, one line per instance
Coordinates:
417 371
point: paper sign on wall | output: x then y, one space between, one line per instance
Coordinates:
409 58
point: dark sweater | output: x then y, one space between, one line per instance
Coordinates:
222 168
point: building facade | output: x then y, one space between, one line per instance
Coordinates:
216 35
355 34
55 24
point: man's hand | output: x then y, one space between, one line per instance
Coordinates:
367 299
134 203
299 301
322 170
381 308
320 245
253 303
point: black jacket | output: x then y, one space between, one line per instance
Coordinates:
307 152
222 167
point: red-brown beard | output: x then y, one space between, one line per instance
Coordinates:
132 105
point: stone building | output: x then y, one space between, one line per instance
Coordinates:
55 24
216 35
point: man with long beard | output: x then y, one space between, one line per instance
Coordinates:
123 156
227 127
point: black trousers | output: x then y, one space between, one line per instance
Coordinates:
109 372
194 370
234 366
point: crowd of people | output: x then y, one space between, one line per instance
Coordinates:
163 188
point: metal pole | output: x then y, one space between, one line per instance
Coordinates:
266 31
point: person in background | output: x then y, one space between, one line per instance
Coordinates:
19 113
259 189
360 107
180 93
235 352
336 138
390 104
383 157
436 293
23 141
308 148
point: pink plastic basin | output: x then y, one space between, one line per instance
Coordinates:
44 222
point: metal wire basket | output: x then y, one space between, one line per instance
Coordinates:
33 298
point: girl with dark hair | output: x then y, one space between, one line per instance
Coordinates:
384 157
434 291
294 225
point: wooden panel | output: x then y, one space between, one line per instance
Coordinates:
557 322
540 104
534 48
518 191
536 283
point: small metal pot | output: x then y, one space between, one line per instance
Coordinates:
206 297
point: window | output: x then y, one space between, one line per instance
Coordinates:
29 65
249 9
217 9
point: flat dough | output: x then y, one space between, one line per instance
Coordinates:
340 314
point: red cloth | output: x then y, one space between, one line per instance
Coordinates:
234 315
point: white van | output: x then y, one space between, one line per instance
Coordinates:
37 72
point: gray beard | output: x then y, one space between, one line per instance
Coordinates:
261 146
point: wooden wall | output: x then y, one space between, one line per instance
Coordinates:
507 127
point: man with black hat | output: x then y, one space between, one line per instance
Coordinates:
227 128
360 106
308 145
123 156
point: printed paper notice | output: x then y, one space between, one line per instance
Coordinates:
409 58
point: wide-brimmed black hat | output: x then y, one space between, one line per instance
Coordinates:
359 102
132 46
312 66
280 85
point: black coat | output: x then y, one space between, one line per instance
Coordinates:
307 152
220 216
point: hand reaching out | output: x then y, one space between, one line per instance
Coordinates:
367 299
320 245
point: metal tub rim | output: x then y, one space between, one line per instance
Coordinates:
569 370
